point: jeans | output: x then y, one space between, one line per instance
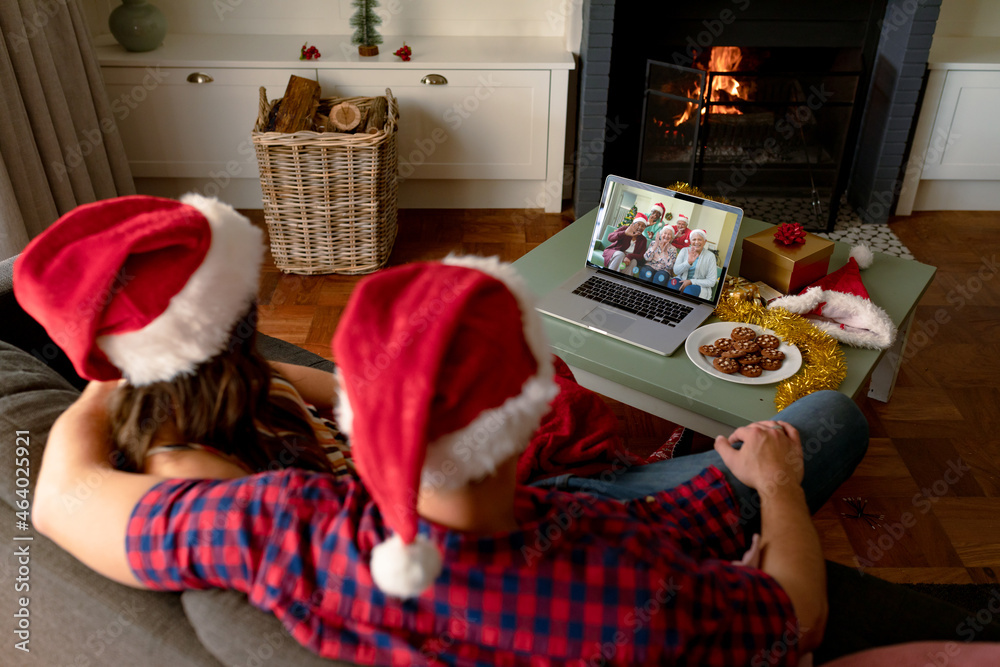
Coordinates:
834 437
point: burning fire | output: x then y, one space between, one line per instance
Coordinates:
724 59
724 88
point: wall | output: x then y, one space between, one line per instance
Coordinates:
516 18
969 18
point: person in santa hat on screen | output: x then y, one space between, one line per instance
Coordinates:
682 239
627 245
444 373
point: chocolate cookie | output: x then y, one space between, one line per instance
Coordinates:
710 350
752 358
726 365
748 346
723 344
772 354
743 333
751 370
768 342
734 352
770 364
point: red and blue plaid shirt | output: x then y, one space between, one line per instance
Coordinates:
584 582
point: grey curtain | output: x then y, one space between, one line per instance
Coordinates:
59 145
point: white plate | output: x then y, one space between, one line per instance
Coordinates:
710 333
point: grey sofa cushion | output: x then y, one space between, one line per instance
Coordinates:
238 634
77 616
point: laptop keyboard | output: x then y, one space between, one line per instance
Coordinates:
633 301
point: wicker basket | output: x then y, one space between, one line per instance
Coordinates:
329 197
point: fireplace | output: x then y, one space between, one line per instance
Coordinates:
765 99
752 121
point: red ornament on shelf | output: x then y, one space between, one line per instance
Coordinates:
310 53
403 52
790 234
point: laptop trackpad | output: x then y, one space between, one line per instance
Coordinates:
608 320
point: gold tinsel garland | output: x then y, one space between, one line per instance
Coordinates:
823 363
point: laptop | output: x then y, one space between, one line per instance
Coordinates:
619 293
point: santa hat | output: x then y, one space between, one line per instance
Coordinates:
699 232
839 304
682 216
640 216
141 287
660 206
443 373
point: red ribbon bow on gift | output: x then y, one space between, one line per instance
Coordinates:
790 234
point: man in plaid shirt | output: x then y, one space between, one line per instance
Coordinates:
436 556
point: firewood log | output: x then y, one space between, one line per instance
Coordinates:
298 105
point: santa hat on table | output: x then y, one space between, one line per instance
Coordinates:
660 207
839 304
141 287
443 373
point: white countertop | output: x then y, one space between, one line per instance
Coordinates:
980 53
282 51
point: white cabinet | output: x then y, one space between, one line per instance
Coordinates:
492 136
966 124
190 122
954 160
472 124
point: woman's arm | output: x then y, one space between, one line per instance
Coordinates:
82 502
315 386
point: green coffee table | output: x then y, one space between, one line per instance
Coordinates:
672 387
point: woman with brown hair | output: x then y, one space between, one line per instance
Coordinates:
161 294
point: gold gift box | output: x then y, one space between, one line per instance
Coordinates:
785 268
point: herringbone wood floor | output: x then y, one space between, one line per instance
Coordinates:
933 467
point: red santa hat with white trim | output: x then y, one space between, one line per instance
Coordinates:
661 208
141 287
443 374
840 305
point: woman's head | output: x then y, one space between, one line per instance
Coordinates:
638 225
158 292
225 404
666 235
656 213
698 238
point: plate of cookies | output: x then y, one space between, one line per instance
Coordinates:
744 353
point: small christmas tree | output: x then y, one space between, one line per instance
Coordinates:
629 217
364 22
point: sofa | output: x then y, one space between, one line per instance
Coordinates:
75 617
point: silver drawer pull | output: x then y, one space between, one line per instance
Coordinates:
434 80
199 77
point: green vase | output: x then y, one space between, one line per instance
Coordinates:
138 25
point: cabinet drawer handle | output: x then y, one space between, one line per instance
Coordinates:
199 77
434 80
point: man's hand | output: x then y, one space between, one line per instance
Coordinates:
771 462
771 454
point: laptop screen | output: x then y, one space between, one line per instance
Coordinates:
664 239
